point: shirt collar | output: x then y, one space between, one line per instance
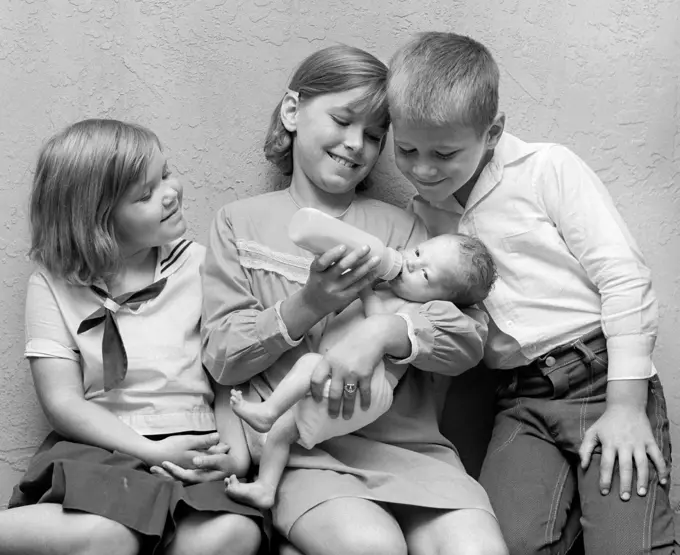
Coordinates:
509 150
172 256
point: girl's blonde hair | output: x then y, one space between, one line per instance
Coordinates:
334 69
81 175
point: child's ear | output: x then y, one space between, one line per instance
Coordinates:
495 131
289 110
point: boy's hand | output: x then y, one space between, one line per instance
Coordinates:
625 434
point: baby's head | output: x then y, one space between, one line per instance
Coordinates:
456 268
443 100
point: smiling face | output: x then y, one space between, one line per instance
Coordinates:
150 212
336 144
439 161
431 271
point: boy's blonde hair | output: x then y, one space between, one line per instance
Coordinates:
81 175
443 78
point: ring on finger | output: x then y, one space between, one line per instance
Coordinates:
350 389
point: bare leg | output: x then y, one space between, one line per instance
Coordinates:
472 531
348 526
46 529
262 492
215 534
293 387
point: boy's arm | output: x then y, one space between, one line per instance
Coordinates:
585 215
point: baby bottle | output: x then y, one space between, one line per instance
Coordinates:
318 232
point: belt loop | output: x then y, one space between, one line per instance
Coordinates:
585 351
560 382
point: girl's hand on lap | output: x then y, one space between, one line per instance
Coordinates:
182 449
335 279
216 463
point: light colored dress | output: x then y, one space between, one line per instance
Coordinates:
251 267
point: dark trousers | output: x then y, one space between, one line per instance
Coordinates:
542 498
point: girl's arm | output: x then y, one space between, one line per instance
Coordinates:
231 432
55 365
59 386
230 457
242 338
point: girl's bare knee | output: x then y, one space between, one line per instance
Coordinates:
488 547
226 534
242 535
479 545
368 541
107 537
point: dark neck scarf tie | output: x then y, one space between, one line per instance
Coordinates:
113 350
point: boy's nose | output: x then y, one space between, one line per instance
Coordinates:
424 172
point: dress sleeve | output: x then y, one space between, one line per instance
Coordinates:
444 338
240 337
47 335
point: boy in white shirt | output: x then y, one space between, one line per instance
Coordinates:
573 316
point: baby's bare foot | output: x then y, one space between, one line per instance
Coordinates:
255 494
257 415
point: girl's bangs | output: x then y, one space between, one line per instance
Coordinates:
373 105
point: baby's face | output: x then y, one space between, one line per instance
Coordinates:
429 270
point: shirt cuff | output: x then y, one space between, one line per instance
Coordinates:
630 357
283 329
47 348
412 338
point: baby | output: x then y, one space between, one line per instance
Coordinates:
456 268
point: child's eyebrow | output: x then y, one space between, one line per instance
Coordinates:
151 180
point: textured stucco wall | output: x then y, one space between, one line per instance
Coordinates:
600 76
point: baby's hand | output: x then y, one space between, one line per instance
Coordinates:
373 305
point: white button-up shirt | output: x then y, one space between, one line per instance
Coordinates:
567 263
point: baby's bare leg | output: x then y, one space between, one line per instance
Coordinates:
262 493
293 387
